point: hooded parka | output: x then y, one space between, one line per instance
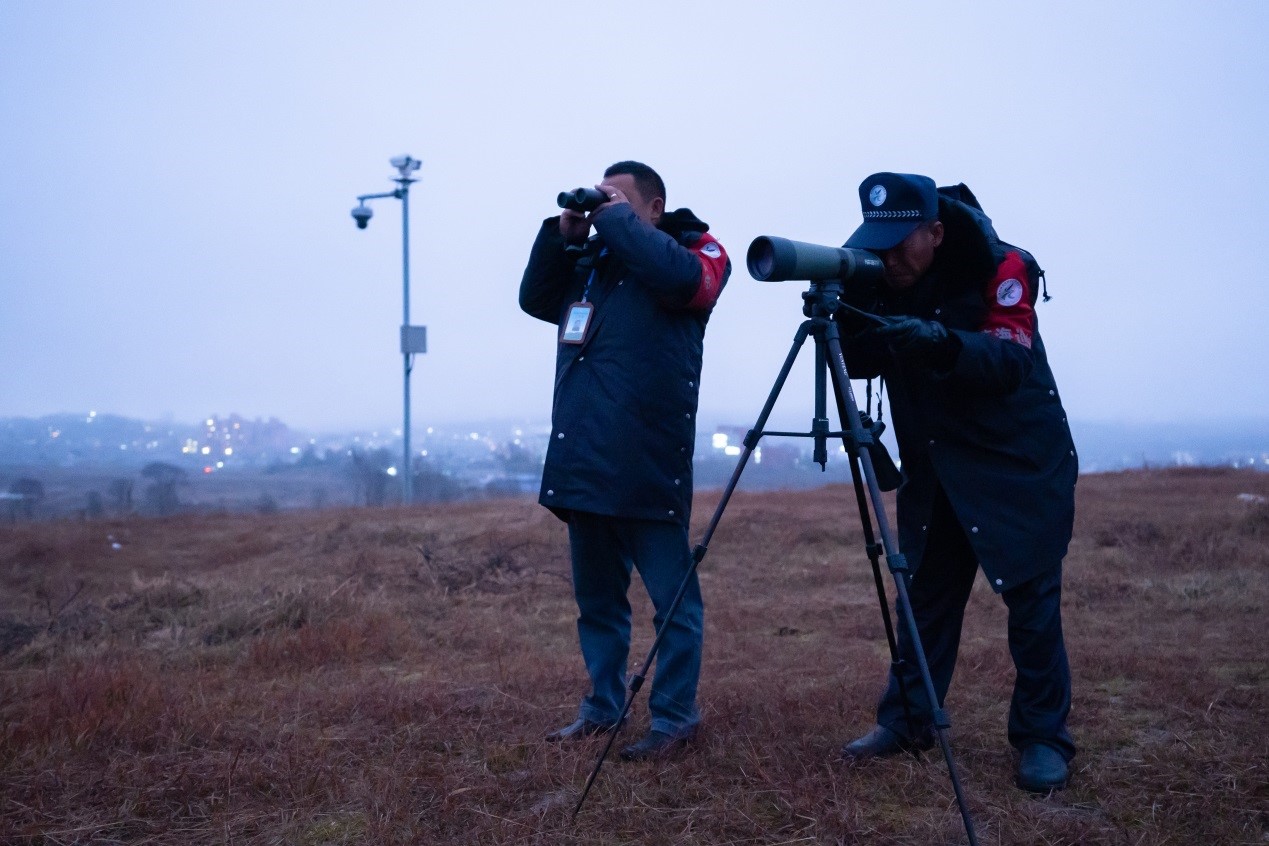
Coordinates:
624 411
990 430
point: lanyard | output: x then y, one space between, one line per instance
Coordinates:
586 291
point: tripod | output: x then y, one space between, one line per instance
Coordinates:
822 301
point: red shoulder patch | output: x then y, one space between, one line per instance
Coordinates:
713 260
1008 297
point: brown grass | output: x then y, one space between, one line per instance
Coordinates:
387 676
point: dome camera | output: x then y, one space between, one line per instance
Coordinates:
362 215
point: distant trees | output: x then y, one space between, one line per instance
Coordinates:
431 484
370 475
516 459
374 484
94 505
120 493
160 495
24 494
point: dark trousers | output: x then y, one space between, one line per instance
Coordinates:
939 591
604 551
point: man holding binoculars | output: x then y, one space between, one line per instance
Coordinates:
631 304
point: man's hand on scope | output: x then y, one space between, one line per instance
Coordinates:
911 337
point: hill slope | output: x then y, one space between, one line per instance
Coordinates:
386 677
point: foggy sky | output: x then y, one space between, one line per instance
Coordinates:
176 181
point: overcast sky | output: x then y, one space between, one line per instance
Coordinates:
176 180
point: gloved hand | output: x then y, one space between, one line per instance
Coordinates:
912 338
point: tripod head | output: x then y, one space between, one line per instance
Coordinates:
823 298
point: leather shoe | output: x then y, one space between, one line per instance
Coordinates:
881 742
577 730
655 745
1041 769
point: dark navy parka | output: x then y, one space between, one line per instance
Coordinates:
990 430
624 411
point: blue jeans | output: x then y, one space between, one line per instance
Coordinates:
604 550
939 590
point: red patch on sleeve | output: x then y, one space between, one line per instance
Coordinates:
713 270
1008 296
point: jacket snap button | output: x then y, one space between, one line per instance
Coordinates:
1000 581
925 528
974 530
550 493
559 436
931 442
671 512
1052 393
691 384
678 481
688 416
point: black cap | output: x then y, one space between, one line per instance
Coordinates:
894 204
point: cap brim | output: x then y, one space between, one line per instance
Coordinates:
881 234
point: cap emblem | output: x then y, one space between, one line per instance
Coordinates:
877 195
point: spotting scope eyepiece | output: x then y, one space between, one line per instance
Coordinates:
772 259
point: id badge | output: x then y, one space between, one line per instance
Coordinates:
575 326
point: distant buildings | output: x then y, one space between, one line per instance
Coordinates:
90 462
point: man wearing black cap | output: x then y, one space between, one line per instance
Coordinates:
988 462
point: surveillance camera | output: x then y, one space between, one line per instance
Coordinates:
362 215
405 164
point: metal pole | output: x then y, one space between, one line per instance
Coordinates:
408 493
405 165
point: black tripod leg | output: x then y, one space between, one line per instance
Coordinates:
897 664
751 442
897 564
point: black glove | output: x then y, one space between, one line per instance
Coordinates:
928 340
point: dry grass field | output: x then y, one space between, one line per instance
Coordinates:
386 676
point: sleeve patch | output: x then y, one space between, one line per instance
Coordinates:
713 273
1009 315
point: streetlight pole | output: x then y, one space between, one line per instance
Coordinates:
413 338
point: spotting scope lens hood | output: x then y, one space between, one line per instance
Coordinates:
772 259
